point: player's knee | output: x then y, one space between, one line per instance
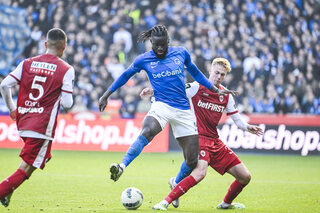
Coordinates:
245 179
192 163
248 177
147 132
198 175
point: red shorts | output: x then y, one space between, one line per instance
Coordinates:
36 151
220 157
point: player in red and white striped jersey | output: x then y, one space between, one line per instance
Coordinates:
46 81
208 108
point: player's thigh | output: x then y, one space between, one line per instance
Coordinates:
160 112
220 157
183 124
150 127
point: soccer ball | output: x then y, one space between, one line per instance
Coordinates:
131 198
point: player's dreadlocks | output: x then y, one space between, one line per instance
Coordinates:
158 30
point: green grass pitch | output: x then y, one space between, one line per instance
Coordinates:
79 182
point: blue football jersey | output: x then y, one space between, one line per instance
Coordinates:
166 76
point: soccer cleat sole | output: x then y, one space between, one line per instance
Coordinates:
115 172
6 200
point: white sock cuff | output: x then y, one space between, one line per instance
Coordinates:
164 202
175 182
122 166
225 204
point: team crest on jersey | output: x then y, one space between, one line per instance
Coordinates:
202 153
153 64
221 98
177 61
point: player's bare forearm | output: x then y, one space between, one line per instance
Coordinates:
224 91
215 89
103 100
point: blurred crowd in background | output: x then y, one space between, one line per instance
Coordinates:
273 47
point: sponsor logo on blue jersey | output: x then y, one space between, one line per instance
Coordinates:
167 73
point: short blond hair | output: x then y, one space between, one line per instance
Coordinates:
222 62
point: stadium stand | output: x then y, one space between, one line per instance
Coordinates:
273 46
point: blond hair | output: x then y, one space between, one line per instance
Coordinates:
222 62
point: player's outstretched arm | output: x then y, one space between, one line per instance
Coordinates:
224 91
245 126
103 100
124 77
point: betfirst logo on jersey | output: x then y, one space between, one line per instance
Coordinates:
167 73
211 106
43 67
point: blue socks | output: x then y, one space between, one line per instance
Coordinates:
185 171
134 150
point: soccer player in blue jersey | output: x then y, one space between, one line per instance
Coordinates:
164 66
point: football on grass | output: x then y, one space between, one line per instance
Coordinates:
131 198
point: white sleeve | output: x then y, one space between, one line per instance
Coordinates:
5 86
192 89
231 107
66 100
67 89
17 72
239 121
11 80
68 79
